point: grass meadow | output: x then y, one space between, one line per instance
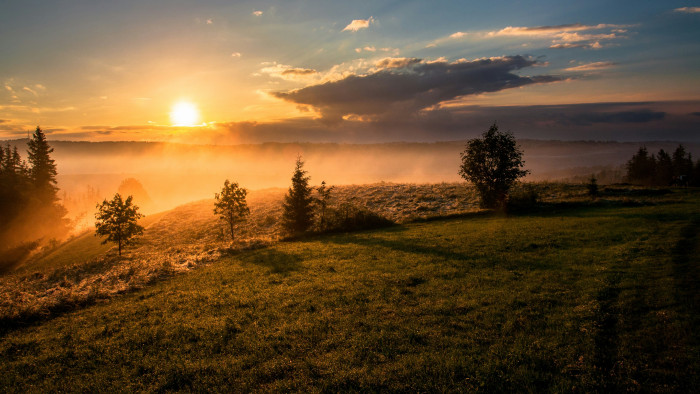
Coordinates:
573 296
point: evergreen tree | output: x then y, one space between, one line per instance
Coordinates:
43 167
493 164
682 162
231 205
641 168
663 174
298 215
117 219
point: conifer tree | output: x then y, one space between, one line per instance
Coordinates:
298 215
43 167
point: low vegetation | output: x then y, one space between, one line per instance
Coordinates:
574 294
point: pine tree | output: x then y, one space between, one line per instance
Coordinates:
43 168
298 215
641 168
117 219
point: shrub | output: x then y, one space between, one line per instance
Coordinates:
523 198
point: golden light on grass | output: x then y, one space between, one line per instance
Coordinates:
184 113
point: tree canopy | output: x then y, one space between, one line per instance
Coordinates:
117 220
493 164
231 205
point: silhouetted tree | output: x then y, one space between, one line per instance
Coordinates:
682 165
297 214
231 205
641 168
324 197
493 164
592 187
43 167
663 170
118 220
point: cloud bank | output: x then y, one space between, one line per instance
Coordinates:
403 86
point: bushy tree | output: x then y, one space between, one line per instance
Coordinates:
231 205
297 209
118 220
493 164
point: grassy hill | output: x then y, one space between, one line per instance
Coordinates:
571 297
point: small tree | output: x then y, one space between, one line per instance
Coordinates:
231 205
298 214
324 197
592 186
493 164
117 219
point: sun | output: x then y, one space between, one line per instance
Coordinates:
184 113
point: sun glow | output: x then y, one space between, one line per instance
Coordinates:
184 113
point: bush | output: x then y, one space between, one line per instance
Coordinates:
523 198
348 217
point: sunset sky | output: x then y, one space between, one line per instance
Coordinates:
367 71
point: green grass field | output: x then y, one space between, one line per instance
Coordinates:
568 298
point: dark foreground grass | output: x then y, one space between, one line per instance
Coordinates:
591 299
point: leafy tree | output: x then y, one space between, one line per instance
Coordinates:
231 205
117 219
324 197
493 164
298 214
43 167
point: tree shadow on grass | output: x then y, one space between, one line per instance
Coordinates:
407 245
278 262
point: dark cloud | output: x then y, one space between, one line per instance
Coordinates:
397 62
641 121
696 113
638 116
4 120
411 86
298 71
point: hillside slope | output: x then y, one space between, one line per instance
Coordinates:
589 298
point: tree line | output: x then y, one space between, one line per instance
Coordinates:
663 169
29 206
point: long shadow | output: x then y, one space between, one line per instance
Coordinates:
685 268
607 337
408 247
276 261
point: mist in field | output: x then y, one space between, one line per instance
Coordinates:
164 175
